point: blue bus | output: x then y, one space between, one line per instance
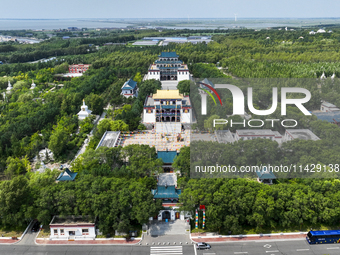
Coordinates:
323 236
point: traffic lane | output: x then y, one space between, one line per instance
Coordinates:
292 247
75 250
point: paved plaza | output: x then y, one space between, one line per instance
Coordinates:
161 141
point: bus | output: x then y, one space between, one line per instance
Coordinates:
323 236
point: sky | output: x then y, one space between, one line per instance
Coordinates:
65 9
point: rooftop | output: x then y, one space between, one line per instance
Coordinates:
327 104
328 116
304 134
130 84
167 156
109 139
168 55
167 94
255 132
224 136
265 174
67 175
166 192
71 220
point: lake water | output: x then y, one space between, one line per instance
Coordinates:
16 24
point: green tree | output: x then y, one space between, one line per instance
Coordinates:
184 87
58 141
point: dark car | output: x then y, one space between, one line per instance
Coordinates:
36 226
200 246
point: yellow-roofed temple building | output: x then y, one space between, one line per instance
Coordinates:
167 106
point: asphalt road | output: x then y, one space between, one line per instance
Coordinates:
89 250
287 247
292 247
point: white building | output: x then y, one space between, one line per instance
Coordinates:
33 85
84 112
9 88
304 134
72 227
321 31
129 89
328 107
168 67
169 107
249 134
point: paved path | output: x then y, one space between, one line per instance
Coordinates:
247 238
87 242
29 237
169 85
167 233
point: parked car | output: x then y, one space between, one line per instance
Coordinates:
202 246
36 226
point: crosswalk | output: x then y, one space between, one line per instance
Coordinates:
166 250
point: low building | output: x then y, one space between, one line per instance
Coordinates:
169 195
84 112
328 107
129 89
167 158
304 134
249 134
66 175
265 176
331 117
109 139
224 136
80 68
72 227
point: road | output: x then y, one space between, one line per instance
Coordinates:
287 247
283 247
91 250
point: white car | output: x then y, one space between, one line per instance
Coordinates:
204 246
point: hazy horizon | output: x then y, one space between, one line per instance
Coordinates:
215 9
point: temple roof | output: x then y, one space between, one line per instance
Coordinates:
168 55
67 175
130 84
265 174
167 156
166 192
167 94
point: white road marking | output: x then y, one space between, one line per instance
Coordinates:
166 250
267 246
333 248
272 251
302 250
240 252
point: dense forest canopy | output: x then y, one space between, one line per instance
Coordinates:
117 191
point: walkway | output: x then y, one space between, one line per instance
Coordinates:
46 241
165 233
203 237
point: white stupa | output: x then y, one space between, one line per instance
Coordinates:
85 112
323 76
9 88
33 85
